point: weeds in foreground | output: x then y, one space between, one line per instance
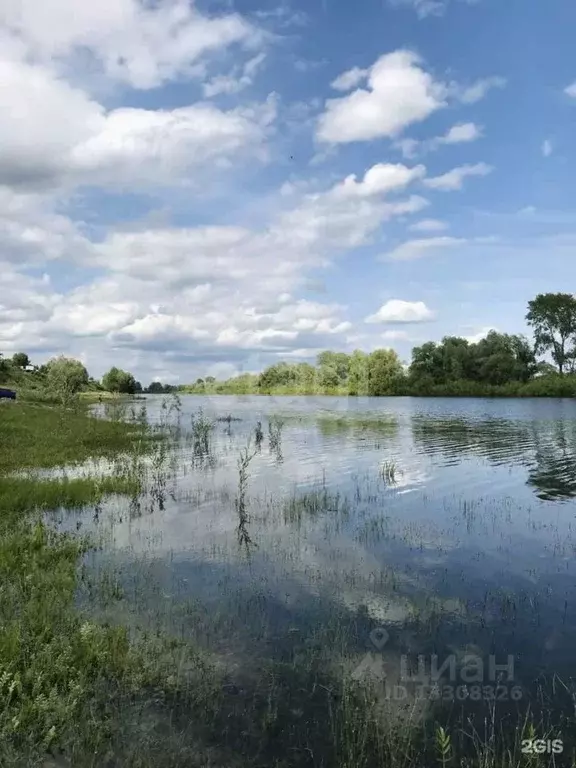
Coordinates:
275 427
240 503
202 429
388 472
443 745
258 434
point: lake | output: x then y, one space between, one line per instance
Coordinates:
367 531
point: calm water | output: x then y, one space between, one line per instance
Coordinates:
466 541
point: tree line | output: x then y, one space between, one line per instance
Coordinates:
500 364
63 378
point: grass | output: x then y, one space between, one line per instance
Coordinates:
99 396
67 684
19 495
36 436
388 471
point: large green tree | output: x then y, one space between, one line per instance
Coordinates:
338 361
553 318
359 374
20 359
501 357
384 372
66 377
117 380
278 375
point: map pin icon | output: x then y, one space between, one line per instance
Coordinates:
379 638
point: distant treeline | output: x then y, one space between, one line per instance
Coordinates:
62 378
499 365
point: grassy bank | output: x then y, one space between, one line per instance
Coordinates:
551 385
38 436
68 686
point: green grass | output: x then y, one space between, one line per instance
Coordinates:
98 396
21 494
35 436
68 685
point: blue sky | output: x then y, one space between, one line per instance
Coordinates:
191 189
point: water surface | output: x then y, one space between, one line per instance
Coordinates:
464 540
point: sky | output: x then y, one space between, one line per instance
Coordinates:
192 189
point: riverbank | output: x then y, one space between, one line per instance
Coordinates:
552 385
70 688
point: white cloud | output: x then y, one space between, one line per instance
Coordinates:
408 147
138 146
478 90
125 145
380 179
570 90
426 8
416 249
429 225
547 148
141 44
351 211
350 79
395 336
458 134
239 79
398 311
481 334
462 132
230 301
31 233
454 179
399 92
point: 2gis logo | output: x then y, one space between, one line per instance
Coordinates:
542 746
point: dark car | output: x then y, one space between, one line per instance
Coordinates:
8 393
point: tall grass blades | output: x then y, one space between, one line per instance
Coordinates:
240 503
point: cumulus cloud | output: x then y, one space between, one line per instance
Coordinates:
398 311
458 134
351 211
32 233
240 78
350 79
380 179
395 336
429 225
168 300
426 8
462 132
454 179
478 90
205 292
399 92
417 249
570 90
481 334
137 43
38 148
